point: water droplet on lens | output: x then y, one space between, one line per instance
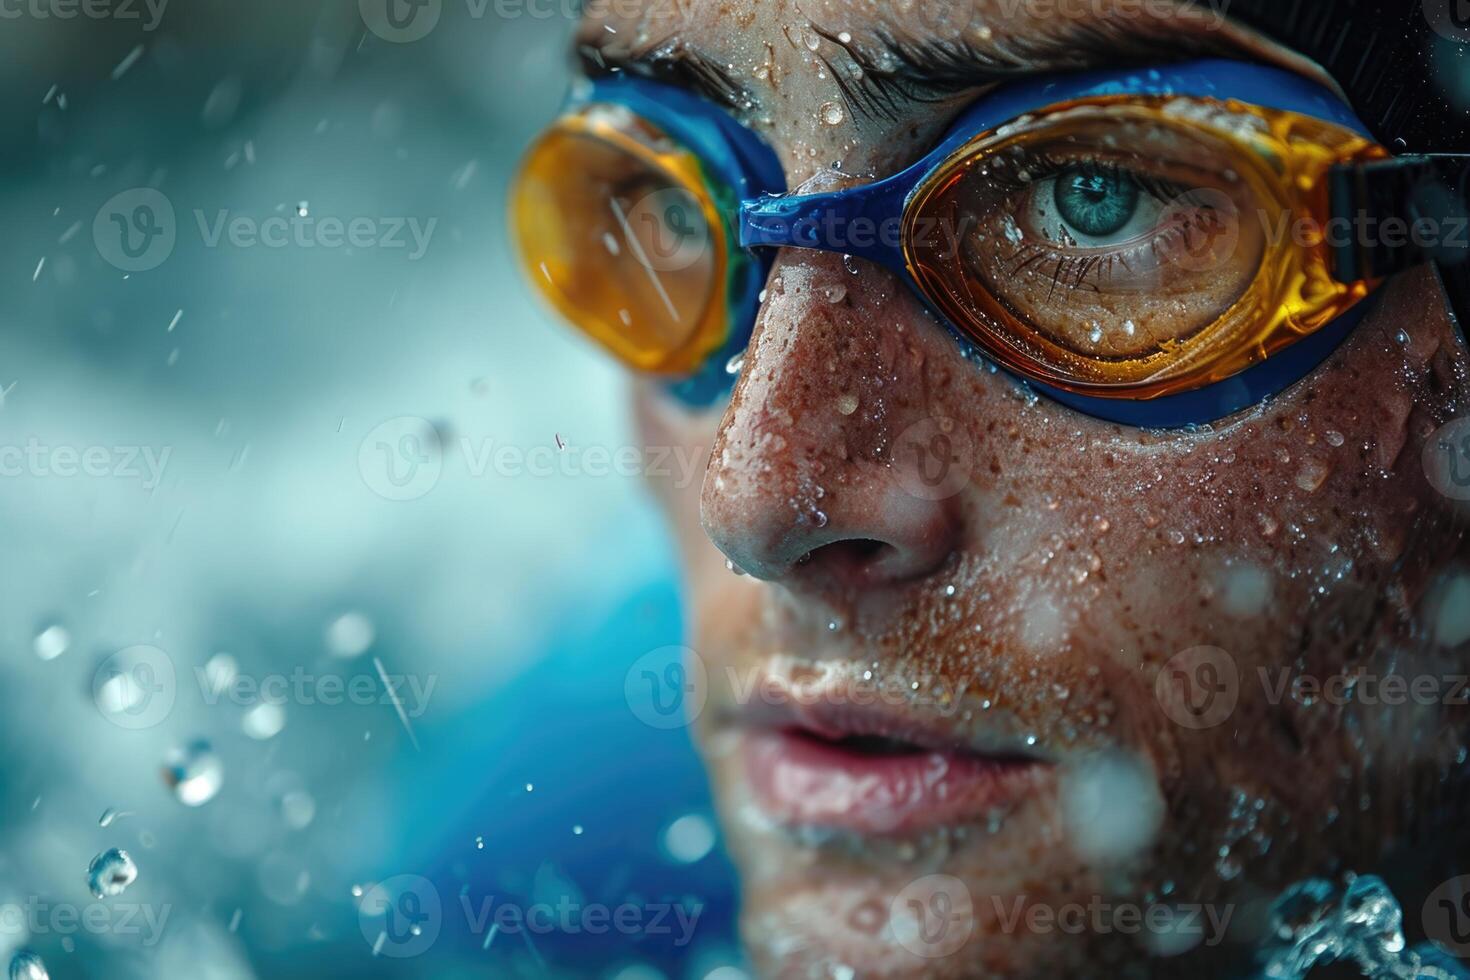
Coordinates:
110 873
194 773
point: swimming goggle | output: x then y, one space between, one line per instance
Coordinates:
1158 247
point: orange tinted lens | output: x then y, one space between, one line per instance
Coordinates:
617 230
1136 246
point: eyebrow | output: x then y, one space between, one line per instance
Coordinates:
883 74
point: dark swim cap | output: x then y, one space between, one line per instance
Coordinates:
1405 67
1404 64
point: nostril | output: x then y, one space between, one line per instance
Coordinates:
850 562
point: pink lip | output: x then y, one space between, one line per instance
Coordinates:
800 779
819 756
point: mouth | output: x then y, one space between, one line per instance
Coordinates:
819 760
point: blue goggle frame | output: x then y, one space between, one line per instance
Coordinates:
767 220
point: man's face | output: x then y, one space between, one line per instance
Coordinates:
991 682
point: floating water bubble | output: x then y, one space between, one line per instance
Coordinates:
689 838
52 642
264 721
298 809
350 635
1112 807
194 773
110 815
283 879
110 873
25 965
220 672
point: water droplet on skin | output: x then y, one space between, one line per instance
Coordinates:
194 773
819 518
832 114
835 294
52 642
734 364
733 568
25 965
110 873
847 403
850 264
1312 475
1334 438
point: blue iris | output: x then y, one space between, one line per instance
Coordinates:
1094 202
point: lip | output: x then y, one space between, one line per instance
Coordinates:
817 756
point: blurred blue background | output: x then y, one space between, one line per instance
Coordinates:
237 462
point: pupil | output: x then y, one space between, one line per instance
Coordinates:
1095 204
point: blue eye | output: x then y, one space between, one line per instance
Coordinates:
1093 202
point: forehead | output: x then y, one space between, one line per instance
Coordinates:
867 83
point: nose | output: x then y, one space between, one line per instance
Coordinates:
806 486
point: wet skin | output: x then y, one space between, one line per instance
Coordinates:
1025 613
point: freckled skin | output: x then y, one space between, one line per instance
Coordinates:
1084 556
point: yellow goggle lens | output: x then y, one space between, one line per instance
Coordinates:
617 228
1135 246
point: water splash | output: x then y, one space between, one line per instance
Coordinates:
25 965
1316 923
194 773
110 873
